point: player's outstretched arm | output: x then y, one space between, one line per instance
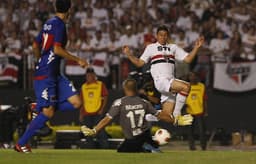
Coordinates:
136 61
58 50
91 132
104 122
199 42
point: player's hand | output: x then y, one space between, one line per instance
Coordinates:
183 120
87 131
83 63
199 42
126 50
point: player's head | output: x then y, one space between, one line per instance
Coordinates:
130 87
162 34
62 6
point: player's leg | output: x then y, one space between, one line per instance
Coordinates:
167 109
182 89
130 146
149 144
68 98
46 101
133 145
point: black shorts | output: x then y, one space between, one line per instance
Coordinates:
136 144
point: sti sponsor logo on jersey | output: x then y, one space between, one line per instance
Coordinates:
238 73
133 107
163 48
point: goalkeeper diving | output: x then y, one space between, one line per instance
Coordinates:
131 111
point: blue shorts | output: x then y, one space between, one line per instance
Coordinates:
50 92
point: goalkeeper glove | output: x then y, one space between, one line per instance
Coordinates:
183 120
87 131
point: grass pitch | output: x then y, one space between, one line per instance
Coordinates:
86 156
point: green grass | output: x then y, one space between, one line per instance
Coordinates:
71 156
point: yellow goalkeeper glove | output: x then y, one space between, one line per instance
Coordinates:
183 120
87 131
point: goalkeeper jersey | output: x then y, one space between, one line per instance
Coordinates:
131 111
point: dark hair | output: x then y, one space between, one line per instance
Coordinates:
162 28
130 84
89 70
62 6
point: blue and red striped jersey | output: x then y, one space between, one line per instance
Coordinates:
53 33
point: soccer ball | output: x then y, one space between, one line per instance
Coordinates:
162 137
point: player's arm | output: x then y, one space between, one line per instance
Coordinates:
91 132
59 31
104 122
199 42
136 61
36 50
114 110
58 50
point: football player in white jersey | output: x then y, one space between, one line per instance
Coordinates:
162 56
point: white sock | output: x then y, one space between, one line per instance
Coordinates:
180 101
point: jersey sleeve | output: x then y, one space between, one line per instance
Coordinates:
180 53
115 109
146 55
59 33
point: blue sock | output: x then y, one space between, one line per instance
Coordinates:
35 124
65 106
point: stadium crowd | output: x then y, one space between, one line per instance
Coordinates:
99 28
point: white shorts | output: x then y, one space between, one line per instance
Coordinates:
163 86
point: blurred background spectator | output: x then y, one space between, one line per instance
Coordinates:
95 96
196 105
101 27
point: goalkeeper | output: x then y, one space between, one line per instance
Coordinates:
131 111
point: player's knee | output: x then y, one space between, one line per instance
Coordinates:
77 103
186 87
48 112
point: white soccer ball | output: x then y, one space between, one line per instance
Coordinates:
162 137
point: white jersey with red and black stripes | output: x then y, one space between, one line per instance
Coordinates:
162 59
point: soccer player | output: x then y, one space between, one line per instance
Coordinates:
131 111
52 90
162 56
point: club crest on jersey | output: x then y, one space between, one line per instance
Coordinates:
238 73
